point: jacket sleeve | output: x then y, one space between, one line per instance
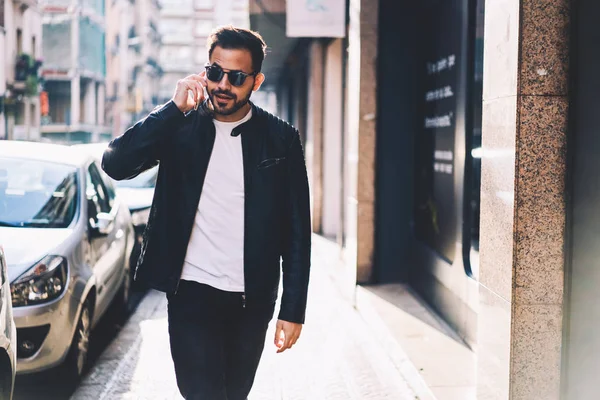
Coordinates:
297 250
140 147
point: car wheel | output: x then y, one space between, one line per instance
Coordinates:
78 354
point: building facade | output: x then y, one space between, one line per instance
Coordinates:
132 54
144 50
74 71
21 55
119 22
185 26
452 151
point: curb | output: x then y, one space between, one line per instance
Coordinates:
381 333
387 341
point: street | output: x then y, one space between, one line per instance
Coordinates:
52 385
336 357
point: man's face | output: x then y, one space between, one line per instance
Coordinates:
225 97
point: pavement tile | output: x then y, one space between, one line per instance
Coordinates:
335 358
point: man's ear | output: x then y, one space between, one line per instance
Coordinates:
258 81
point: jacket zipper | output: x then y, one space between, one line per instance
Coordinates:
248 169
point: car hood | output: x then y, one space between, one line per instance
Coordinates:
25 246
136 199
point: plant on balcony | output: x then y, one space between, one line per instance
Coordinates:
27 70
32 85
22 67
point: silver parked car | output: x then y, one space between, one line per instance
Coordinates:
8 335
68 240
137 193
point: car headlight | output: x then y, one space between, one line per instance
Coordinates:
43 282
140 217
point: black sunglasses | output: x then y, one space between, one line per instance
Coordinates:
236 78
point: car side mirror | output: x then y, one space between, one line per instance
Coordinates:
103 224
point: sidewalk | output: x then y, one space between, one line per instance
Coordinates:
336 357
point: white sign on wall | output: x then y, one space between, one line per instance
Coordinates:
316 18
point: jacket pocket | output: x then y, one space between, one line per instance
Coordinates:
270 162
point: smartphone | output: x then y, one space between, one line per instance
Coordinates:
206 107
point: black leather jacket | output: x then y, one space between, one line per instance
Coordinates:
277 212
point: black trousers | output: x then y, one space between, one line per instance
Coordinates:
216 341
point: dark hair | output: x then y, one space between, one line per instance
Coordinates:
230 37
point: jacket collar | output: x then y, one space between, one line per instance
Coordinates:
248 126
252 140
251 124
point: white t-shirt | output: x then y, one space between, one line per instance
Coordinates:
215 254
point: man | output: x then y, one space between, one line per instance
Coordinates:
231 201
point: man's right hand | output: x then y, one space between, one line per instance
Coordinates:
193 84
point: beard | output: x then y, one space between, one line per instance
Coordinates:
223 109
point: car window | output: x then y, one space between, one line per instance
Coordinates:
96 188
110 189
146 179
92 198
37 193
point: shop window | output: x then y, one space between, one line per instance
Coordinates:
474 141
450 96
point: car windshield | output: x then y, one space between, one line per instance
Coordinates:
146 179
37 194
